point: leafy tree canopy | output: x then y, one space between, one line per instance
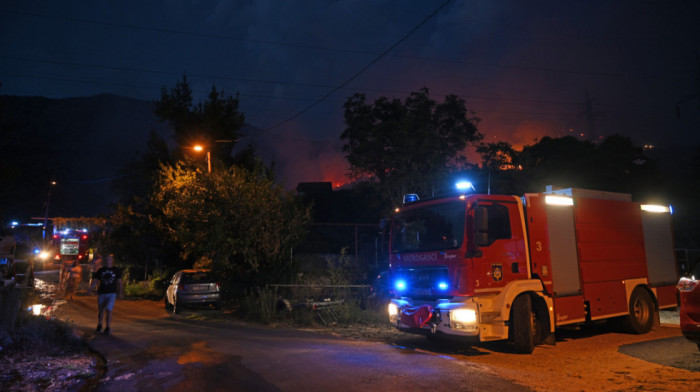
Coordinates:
215 123
407 144
239 223
614 165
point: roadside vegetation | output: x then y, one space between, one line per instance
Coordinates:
327 279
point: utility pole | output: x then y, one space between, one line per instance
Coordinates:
590 118
46 215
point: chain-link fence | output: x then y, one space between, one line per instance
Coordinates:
687 259
363 243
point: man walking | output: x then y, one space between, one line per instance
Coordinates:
109 281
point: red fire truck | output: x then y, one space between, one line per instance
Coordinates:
486 267
70 245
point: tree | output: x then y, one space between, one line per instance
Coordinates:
240 224
409 145
501 162
564 162
614 165
215 123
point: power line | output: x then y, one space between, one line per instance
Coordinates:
181 32
326 48
468 97
365 68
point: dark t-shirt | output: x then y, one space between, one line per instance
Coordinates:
108 277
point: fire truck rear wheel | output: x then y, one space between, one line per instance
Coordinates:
641 308
523 325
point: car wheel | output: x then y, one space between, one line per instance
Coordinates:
641 312
167 304
523 325
176 306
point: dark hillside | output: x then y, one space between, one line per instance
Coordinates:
81 143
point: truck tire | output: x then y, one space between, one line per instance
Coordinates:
641 312
523 325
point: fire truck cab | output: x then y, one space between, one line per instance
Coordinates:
491 267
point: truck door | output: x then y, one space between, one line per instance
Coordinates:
497 245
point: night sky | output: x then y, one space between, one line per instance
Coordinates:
526 68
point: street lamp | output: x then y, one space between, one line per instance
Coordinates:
200 148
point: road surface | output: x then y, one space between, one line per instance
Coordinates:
150 349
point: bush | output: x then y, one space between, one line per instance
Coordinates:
37 330
260 306
150 289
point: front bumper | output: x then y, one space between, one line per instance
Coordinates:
441 318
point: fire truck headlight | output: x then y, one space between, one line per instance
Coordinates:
393 310
465 316
44 255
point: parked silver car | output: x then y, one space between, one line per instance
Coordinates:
193 287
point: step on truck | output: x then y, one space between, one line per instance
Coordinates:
490 267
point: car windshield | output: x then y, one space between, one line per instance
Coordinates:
429 228
197 277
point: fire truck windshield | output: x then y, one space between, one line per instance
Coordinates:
429 227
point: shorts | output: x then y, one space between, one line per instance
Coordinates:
106 301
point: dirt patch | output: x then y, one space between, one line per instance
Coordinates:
38 364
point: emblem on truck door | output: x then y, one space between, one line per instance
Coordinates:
497 272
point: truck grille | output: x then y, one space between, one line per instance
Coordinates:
423 282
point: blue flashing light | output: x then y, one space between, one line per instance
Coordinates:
443 285
37 251
14 223
410 198
400 285
670 209
464 186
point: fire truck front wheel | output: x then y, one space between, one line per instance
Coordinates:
522 324
642 311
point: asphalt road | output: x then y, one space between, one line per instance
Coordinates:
150 349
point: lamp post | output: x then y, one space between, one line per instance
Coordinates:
198 148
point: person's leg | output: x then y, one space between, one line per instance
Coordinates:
100 310
108 306
108 319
